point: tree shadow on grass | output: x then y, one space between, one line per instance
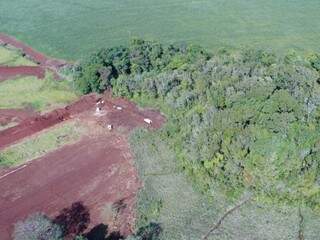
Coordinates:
100 232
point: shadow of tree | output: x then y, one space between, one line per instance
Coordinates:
74 220
100 232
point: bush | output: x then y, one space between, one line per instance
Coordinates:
149 232
37 227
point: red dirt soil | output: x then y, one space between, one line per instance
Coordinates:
35 124
12 72
98 170
17 115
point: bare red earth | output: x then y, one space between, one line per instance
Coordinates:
11 72
17 115
97 170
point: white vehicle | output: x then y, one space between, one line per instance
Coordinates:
147 120
109 127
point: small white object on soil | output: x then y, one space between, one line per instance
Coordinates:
147 120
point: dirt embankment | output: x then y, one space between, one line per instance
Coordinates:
45 63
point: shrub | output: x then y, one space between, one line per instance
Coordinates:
37 227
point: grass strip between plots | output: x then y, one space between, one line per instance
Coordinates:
40 95
41 144
13 57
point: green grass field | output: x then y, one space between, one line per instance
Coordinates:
12 57
70 29
41 95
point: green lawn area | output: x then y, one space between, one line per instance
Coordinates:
42 143
70 29
12 57
41 95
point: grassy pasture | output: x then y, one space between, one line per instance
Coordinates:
169 198
12 57
70 29
40 144
41 95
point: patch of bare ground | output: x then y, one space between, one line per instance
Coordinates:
98 170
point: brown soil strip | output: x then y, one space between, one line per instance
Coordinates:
12 72
33 125
18 115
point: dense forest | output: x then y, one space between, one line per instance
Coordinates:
238 120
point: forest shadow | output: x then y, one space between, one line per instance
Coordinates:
100 232
74 220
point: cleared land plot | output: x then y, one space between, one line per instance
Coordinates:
12 57
30 92
42 143
97 170
83 26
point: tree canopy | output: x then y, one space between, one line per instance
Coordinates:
237 120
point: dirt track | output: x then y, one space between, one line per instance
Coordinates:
98 170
